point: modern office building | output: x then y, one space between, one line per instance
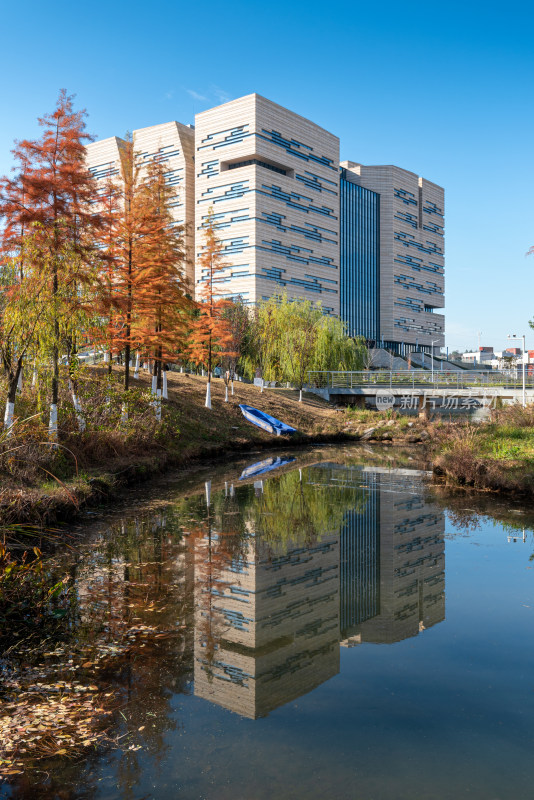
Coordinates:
171 143
410 255
272 180
359 274
392 562
365 241
269 621
266 628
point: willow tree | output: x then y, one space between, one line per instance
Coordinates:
293 337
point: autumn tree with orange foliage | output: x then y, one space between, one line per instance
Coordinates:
160 324
146 283
211 331
108 301
53 188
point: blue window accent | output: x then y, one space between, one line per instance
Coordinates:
295 148
409 303
360 259
311 282
429 287
229 191
294 253
223 219
160 155
434 228
432 208
234 245
309 231
314 182
209 168
408 240
224 138
257 163
408 198
294 200
409 219
104 170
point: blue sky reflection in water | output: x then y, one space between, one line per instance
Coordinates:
385 651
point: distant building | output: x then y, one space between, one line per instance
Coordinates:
484 355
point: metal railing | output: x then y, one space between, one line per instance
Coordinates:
414 379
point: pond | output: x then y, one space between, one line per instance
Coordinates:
330 627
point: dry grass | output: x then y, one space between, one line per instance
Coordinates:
497 455
91 464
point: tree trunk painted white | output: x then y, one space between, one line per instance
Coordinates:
124 414
78 410
9 417
19 384
165 387
226 394
207 485
232 388
154 383
202 373
300 396
208 395
226 488
261 389
106 358
52 423
34 378
157 404
136 369
181 369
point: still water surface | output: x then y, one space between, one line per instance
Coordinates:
337 634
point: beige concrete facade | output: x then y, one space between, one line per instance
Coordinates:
272 180
171 143
411 253
411 563
274 624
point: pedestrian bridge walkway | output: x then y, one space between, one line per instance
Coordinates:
414 388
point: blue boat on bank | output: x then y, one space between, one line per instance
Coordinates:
265 421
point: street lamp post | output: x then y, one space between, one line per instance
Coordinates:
432 358
518 338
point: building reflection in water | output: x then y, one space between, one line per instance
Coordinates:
269 621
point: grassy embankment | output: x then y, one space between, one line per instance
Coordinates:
497 455
40 485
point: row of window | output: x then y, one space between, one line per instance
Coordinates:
258 163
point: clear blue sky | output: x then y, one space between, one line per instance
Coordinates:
443 89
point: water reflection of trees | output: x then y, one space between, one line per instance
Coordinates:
151 570
300 507
131 618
